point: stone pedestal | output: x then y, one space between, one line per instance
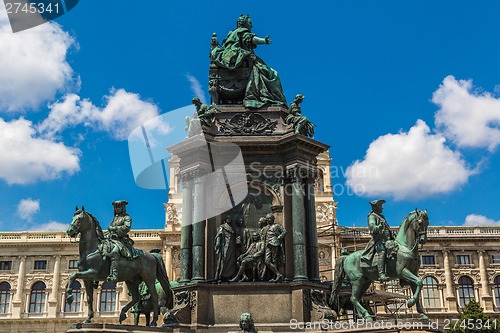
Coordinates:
276 164
272 305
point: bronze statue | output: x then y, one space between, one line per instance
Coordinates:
202 119
263 85
145 305
403 265
274 256
252 258
118 243
246 323
95 266
381 233
243 238
225 248
295 117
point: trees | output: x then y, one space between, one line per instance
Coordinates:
473 319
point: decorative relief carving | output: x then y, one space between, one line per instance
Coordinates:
171 214
247 123
325 212
319 310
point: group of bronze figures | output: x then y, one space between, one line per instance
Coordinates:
240 254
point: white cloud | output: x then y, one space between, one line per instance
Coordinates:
27 208
26 158
123 112
196 87
469 118
408 165
51 226
480 220
33 66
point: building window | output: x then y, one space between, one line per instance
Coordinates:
5 265
430 293
37 298
108 297
4 297
73 264
465 291
463 259
496 287
428 260
495 259
40 264
77 294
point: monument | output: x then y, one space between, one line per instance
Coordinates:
248 169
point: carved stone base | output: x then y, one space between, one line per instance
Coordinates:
272 305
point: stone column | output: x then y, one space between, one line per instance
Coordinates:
168 260
17 301
299 229
450 295
199 224
186 232
312 233
55 279
52 301
486 298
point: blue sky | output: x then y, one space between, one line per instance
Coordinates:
406 93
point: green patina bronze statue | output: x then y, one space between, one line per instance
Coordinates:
274 255
246 323
225 249
295 118
236 69
381 233
118 243
252 258
202 119
94 264
401 256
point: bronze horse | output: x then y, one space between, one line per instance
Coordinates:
411 233
94 266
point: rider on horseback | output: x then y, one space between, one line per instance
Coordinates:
118 243
380 232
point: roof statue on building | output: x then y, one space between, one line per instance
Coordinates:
238 75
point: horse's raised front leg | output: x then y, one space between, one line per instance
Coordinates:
89 289
420 310
86 275
407 275
133 287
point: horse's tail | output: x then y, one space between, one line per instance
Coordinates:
161 276
333 301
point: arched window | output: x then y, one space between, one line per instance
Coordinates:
4 297
108 297
465 290
430 293
496 287
37 298
77 294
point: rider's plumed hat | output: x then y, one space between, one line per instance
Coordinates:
119 203
377 202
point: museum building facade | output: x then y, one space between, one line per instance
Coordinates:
458 264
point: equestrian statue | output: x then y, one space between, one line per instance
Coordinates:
385 258
114 259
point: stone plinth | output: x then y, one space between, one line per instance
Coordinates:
272 305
